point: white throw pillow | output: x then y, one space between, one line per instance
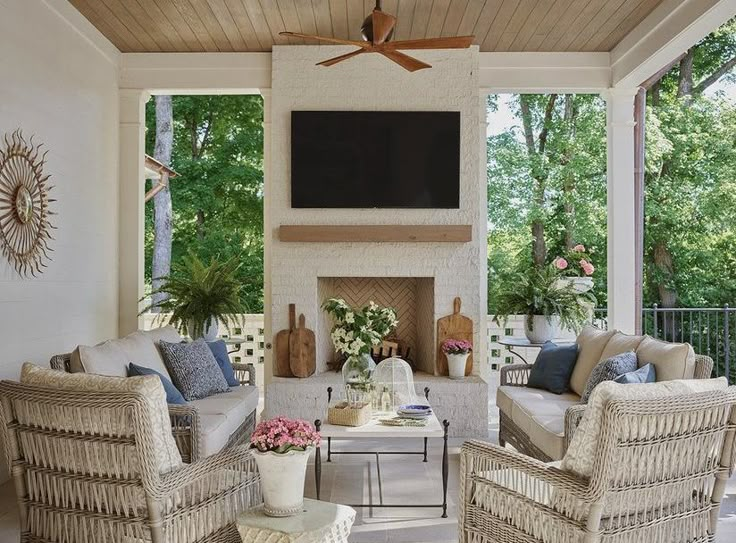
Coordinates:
672 360
113 356
166 453
581 454
591 342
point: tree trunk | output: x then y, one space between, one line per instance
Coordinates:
161 261
685 81
568 185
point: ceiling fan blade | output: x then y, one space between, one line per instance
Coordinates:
335 60
405 61
361 44
453 42
383 25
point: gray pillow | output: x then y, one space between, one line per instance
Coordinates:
646 374
193 369
608 370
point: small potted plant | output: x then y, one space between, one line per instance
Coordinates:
200 296
576 267
457 352
354 334
536 294
281 448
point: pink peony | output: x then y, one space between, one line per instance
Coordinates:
560 263
579 248
587 267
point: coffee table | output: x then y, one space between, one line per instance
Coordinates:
374 430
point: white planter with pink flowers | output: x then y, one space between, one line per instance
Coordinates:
281 450
456 365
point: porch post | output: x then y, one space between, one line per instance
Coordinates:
267 238
131 192
622 210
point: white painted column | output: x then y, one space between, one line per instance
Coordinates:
481 333
267 239
131 259
622 244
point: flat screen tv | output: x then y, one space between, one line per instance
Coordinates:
370 159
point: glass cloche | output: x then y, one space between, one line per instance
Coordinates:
395 376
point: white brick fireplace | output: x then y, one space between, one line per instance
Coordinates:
304 273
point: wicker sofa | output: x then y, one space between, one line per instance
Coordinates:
93 461
640 468
540 423
201 427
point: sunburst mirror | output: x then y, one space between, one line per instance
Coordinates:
25 230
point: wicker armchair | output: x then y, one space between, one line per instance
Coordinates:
79 486
185 418
658 474
518 375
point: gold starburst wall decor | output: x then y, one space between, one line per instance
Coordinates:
25 230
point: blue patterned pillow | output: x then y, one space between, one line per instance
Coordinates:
219 350
608 370
193 369
646 374
172 393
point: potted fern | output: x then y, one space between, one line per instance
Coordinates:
198 297
536 293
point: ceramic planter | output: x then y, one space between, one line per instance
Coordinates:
282 481
576 284
542 329
456 365
211 330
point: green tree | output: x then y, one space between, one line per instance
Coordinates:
217 198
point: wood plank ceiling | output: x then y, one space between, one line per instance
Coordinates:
254 25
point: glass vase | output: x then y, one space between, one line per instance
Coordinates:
357 374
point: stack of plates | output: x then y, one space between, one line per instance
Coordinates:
414 411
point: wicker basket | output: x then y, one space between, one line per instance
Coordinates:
344 414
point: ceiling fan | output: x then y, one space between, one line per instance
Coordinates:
377 30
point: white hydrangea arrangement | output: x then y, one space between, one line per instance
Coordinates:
356 331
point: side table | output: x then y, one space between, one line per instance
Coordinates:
521 342
320 522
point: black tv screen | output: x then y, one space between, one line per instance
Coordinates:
369 159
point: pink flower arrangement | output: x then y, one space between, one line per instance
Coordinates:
575 262
282 435
587 267
456 346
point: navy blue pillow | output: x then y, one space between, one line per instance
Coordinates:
553 368
646 374
219 350
172 393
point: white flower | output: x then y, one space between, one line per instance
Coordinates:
350 317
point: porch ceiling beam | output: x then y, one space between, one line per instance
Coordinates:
196 73
668 32
544 72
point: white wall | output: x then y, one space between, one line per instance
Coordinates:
57 86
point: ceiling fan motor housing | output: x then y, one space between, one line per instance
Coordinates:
366 30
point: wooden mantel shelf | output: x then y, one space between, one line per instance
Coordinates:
376 233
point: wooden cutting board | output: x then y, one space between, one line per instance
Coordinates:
281 362
302 350
455 326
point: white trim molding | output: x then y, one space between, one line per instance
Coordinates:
196 73
544 72
669 31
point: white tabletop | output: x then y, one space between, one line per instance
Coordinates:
319 522
511 341
374 429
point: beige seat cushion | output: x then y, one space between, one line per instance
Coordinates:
234 406
539 413
214 433
671 360
591 343
112 357
620 343
580 456
166 454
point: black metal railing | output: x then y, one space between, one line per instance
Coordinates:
710 330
